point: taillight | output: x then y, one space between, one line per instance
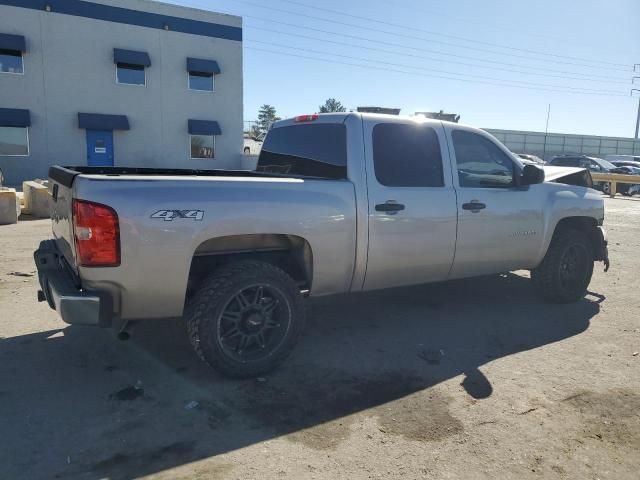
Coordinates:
97 234
307 118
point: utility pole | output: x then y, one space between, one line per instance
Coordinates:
636 90
638 119
546 130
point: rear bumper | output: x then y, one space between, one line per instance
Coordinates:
64 294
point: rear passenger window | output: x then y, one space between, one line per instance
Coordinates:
318 150
407 155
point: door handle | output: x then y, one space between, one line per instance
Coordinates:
474 205
390 206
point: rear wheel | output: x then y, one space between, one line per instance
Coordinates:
245 319
565 273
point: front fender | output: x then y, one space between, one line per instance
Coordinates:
576 207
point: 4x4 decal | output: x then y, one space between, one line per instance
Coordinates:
170 215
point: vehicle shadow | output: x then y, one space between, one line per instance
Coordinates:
81 405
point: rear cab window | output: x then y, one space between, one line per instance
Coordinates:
407 155
310 150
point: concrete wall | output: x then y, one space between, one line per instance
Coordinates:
547 145
69 69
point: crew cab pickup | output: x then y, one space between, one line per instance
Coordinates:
339 203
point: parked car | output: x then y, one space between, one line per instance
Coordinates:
593 164
367 202
626 163
622 158
627 189
531 158
252 145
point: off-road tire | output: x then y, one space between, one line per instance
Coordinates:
204 307
547 276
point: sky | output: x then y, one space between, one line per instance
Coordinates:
497 63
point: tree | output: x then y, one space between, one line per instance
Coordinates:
332 105
266 117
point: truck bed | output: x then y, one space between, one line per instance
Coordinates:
229 206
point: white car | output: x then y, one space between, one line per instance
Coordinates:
252 146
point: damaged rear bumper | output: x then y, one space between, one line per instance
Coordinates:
76 306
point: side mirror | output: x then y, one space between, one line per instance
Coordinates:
532 175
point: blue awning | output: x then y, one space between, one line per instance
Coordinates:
14 117
131 57
13 42
204 127
198 65
97 121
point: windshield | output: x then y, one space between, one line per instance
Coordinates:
604 163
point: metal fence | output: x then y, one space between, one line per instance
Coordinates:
550 144
249 124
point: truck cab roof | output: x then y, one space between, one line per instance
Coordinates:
341 117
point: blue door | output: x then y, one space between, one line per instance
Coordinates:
100 148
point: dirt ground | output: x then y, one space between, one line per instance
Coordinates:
472 379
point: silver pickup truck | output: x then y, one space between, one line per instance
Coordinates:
339 203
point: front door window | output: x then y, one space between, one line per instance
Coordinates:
481 164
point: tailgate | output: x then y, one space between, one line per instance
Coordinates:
61 191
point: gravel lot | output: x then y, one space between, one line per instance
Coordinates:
469 379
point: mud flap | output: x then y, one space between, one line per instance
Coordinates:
603 250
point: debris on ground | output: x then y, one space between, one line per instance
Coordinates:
127 394
432 357
533 409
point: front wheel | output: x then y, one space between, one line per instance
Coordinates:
565 273
245 319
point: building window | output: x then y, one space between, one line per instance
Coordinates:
130 66
11 61
202 146
201 74
201 81
14 141
130 74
